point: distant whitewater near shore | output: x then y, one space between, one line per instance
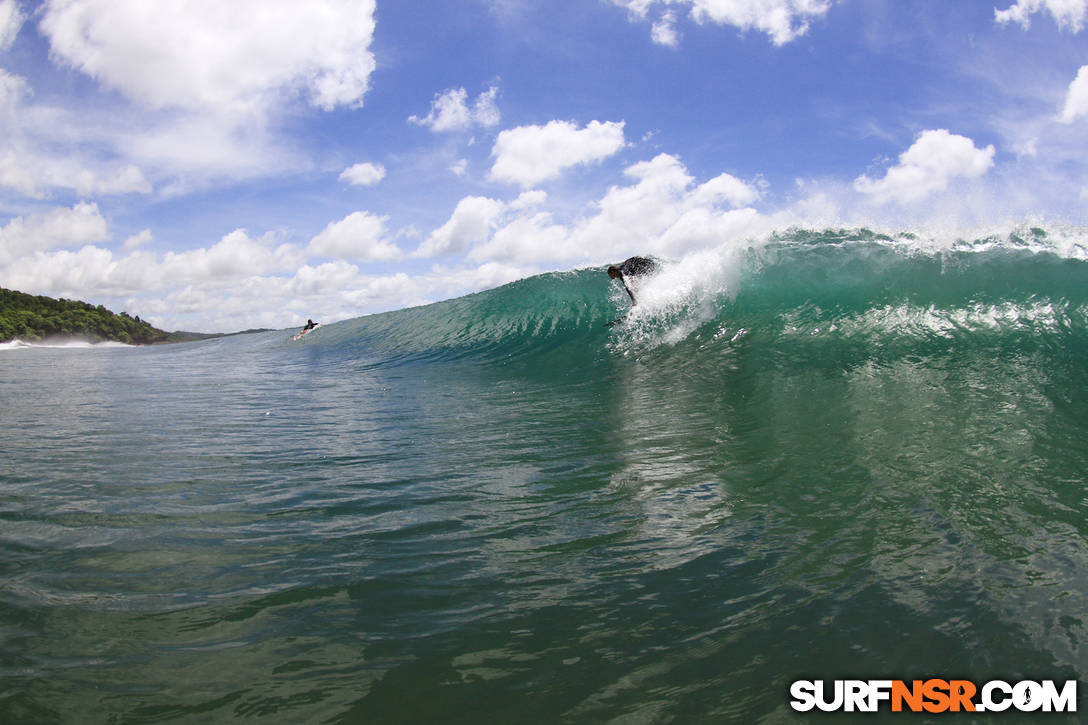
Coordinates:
61 345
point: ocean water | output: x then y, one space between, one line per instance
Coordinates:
826 455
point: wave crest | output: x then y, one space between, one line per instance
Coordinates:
856 286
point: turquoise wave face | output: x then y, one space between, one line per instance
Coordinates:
855 291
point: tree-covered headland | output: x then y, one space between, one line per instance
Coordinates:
35 317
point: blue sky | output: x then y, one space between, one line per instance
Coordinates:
217 166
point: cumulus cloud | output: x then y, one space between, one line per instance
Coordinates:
1066 13
318 279
476 218
236 255
11 19
470 223
528 200
363 174
223 271
60 227
725 188
62 273
138 240
528 155
782 20
928 166
359 236
15 174
526 239
225 58
665 212
1076 100
450 111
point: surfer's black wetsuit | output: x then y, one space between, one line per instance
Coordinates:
310 324
634 266
631 267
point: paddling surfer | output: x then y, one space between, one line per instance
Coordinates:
310 324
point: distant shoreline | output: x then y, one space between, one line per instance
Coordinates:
36 318
182 336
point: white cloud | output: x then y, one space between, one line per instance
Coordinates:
527 239
316 280
644 210
470 223
358 236
235 256
239 56
388 292
450 111
11 19
476 217
31 174
97 150
528 155
663 31
459 167
665 213
1066 13
61 227
138 240
782 20
728 189
62 273
935 158
363 174
528 200
16 174
485 112
1076 100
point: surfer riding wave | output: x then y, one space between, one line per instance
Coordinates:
630 267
